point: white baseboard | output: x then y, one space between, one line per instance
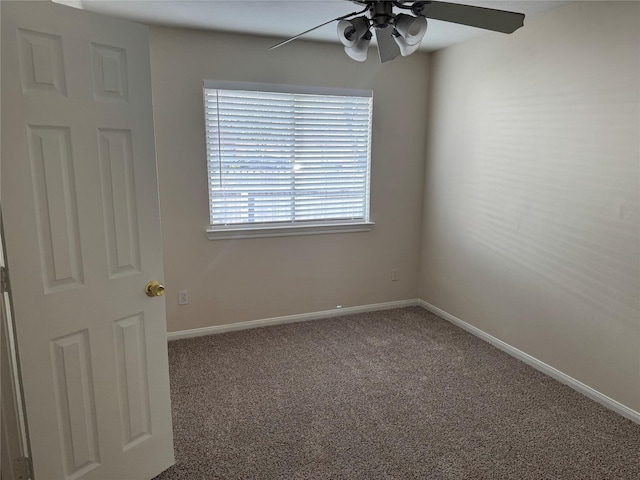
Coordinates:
580 387
303 317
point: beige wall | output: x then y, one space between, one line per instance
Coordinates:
237 280
531 228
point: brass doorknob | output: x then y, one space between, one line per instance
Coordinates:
154 289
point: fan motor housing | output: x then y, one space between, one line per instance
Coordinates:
381 14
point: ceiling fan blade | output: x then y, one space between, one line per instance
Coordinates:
316 27
387 47
487 18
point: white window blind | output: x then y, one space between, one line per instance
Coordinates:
287 158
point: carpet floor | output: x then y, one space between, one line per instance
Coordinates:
397 394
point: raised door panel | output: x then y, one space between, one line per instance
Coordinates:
54 190
119 202
75 403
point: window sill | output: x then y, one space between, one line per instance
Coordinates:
230 233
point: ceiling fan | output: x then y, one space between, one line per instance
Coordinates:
401 33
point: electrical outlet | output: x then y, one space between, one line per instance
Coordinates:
183 298
395 274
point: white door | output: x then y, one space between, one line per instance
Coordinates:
82 230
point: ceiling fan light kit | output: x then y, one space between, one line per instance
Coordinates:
359 51
408 30
405 48
350 32
355 36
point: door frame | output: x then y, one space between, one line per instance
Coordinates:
15 438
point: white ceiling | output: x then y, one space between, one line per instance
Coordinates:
285 18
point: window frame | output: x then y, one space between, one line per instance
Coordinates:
278 229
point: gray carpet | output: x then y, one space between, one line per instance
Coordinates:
397 394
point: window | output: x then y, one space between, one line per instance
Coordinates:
285 160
